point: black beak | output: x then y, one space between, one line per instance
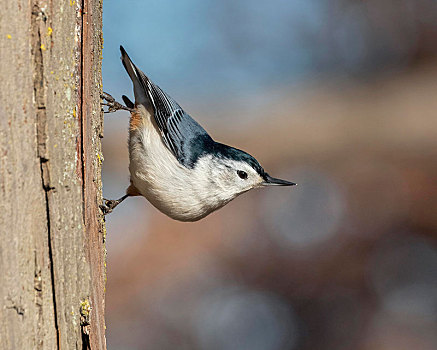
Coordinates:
271 181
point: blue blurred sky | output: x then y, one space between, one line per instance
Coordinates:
209 47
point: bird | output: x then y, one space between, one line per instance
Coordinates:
173 162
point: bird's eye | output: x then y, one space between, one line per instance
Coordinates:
242 174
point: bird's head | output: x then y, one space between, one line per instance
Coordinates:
234 172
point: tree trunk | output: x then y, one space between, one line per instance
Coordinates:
52 252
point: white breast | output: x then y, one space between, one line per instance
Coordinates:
181 193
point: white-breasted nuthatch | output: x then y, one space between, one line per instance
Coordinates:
174 163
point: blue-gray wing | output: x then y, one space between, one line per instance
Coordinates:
182 135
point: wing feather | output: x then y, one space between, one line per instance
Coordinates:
182 135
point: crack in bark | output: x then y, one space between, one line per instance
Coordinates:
41 130
85 326
82 124
52 270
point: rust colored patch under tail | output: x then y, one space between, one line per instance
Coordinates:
132 191
136 120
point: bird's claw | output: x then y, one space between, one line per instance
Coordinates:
112 104
108 205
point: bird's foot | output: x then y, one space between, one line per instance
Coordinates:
112 104
109 204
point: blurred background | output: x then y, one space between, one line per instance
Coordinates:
339 96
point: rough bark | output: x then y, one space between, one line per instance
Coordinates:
52 253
